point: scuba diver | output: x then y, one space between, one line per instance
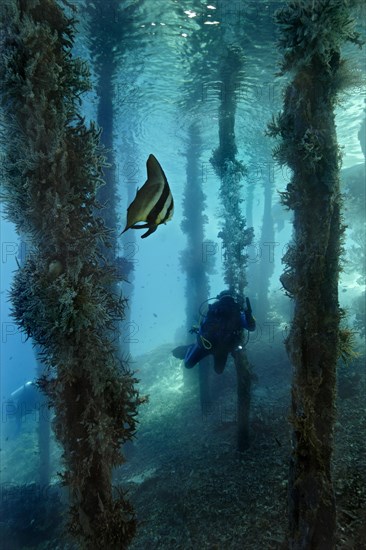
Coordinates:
220 332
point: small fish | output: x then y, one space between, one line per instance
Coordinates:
154 314
153 202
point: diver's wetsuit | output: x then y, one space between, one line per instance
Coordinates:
220 333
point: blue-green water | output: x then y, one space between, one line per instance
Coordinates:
182 472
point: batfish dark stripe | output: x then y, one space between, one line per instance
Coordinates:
155 211
168 212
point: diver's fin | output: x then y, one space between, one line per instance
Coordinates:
180 352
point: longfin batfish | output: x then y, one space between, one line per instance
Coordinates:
153 203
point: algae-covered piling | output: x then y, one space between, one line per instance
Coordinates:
311 37
235 235
61 295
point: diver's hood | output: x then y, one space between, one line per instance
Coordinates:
233 295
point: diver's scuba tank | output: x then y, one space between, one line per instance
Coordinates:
17 393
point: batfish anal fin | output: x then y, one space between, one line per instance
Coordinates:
142 226
134 226
152 229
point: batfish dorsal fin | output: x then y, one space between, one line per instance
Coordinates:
154 170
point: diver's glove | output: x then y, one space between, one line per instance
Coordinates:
194 330
249 316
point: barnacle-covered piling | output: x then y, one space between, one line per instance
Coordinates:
61 294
